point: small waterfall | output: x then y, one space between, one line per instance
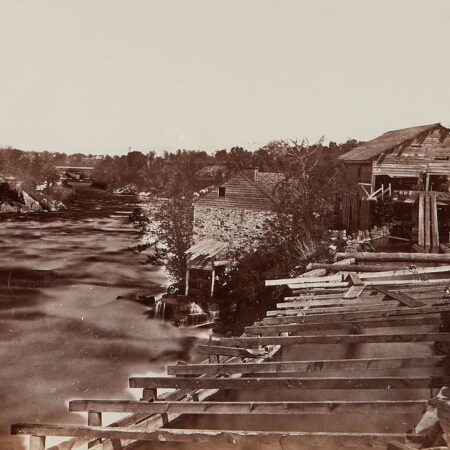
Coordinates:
160 310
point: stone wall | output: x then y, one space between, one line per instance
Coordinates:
239 227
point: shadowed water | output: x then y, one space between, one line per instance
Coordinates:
62 333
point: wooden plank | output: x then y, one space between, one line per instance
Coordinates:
354 291
314 366
401 297
420 320
355 280
245 383
337 339
388 312
397 257
253 407
238 439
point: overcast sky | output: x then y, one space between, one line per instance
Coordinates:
100 76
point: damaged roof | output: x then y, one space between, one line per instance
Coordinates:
386 141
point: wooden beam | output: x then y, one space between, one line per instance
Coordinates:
315 366
245 383
399 256
253 407
388 312
239 439
419 320
337 339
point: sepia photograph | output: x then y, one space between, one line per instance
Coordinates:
224 224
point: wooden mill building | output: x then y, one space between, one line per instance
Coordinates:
400 178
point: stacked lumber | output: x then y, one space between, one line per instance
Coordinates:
361 356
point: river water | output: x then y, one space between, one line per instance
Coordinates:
63 333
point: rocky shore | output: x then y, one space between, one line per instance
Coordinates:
13 198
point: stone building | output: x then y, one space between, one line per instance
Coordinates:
236 211
231 216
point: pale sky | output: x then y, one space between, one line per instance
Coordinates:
100 76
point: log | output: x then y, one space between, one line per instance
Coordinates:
420 320
339 308
398 257
306 301
315 366
333 304
306 280
239 439
405 382
356 268
253 407
225 351
332 317
394 282
338 339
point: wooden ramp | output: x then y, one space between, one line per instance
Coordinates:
353 359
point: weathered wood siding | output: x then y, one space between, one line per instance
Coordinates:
426 155
239 194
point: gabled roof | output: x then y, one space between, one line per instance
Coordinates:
386 141
266 183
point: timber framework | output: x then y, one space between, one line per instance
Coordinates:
356 356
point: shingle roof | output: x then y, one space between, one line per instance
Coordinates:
386 141
268 182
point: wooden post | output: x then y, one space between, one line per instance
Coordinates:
186 289
434 222
116 444
421 240
94 419
427 221
213 273
37 442
149 394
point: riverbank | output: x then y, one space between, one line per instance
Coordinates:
63 333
